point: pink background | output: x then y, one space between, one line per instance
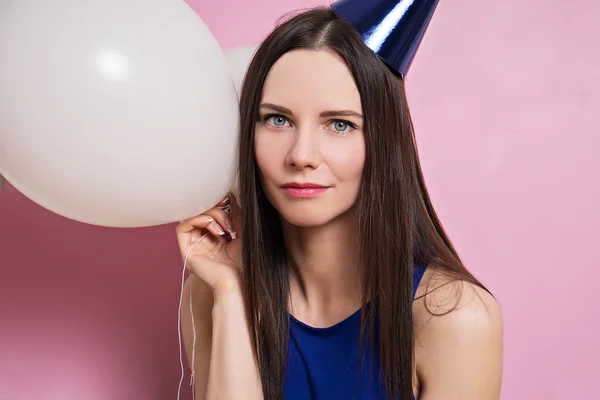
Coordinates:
505 97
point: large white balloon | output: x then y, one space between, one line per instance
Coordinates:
238 60
117 113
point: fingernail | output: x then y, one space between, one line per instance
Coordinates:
220 230
229 226
206 218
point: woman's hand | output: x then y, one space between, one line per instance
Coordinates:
214 248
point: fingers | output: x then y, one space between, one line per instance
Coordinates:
202 221
227 203
222 221
199 221
190 230
216 221
224 202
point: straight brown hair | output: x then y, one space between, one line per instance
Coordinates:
397 223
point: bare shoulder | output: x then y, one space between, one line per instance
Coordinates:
458 339
453 302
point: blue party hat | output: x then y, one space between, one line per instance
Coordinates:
393 29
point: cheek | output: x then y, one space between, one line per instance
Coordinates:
347 162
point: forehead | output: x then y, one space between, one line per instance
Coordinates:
316 79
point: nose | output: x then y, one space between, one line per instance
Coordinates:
305 151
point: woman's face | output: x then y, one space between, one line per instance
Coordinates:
309 141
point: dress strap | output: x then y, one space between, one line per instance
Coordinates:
418 273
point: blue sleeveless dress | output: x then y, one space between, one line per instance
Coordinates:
324 364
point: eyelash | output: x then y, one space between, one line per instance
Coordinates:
269 116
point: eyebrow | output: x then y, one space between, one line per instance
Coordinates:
324 114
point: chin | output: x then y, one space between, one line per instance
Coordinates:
309 215
305 221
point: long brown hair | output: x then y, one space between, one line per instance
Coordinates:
397 223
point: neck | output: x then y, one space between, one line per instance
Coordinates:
324 263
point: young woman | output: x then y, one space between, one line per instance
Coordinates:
330 276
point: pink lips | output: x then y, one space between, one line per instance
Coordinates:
304 190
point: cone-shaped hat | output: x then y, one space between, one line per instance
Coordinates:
393 29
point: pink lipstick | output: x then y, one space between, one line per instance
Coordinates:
304 190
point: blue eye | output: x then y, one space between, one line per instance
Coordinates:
341 126
278 121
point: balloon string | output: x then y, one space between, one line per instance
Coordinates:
193 366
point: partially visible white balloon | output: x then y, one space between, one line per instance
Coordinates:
238 60
4 4
118 113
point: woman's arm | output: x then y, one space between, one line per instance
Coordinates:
459 354
202 299
234 371
225 366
